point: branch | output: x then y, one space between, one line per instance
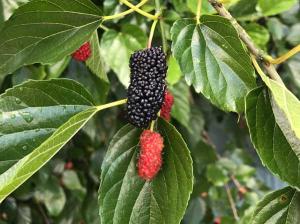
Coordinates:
259 54
232 203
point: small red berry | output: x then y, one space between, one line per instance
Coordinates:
150 159
69 165
167 106
217 220
83 53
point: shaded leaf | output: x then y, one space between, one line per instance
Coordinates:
271 145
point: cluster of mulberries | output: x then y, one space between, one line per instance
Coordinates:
83 53
150 159
147 86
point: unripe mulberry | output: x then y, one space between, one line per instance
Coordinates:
147 86
83 53
150 158
167 106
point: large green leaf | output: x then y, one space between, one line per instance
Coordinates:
45 31
278 207
273 7
118 46
286 108
126 198
213 59
271 145
37 119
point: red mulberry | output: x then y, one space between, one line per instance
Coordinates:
83 53
150 159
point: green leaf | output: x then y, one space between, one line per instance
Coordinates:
280 206
56 69
213 59
286 109
181 110
37 119
52 195
245 10
118 46
174 74
45 32
195 211
217 174
273 7
126 198
259 34
71 181
271 145
95 62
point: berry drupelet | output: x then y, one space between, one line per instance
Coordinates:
147 86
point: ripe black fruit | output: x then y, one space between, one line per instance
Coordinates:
147 85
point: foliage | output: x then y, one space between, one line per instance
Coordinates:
231 149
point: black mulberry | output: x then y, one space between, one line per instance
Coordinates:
147 86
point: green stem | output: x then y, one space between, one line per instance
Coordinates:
152 30
112 104
122 14
138 10
162 28
199 6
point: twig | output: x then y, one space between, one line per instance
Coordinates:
259 54
199 6
41 210
162 28
231 202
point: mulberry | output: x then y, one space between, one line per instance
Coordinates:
150 159
147 86
83 53
167 106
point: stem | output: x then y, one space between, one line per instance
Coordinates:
231 202
138 10
152 125
245 37
122 14
152 32
284 57
162 28
104 27
113 104
261 73
199 6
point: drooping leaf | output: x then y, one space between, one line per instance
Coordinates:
37 119
45 32
271 145
286 108
126 198
118 46
280 206
213 60
273 7
96 61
